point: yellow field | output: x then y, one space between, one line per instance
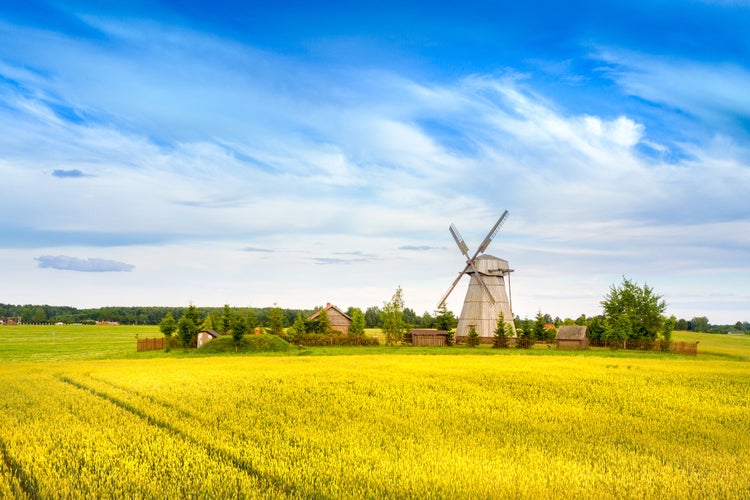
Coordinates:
377 426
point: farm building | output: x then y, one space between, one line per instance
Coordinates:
429 337
205 336
339 320
572 337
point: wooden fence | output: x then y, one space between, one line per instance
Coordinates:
689 348
150 344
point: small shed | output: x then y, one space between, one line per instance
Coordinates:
339 319
205 336
429 337
572 337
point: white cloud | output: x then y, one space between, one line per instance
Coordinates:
713 91
253 169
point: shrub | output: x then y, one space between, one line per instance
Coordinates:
450 339
336 338
249 343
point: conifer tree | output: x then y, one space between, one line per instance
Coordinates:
472 339
239 328
500 340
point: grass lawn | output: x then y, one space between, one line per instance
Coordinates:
89 342
733 346
71 342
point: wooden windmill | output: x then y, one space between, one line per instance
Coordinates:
486 296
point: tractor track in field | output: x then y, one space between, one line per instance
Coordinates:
212 451
164 404
27 482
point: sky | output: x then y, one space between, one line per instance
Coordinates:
298 153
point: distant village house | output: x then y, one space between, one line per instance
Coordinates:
339 319
205 336
429 337
572 337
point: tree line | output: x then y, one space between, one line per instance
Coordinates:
642 321
153 315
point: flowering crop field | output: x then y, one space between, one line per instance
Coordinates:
382 425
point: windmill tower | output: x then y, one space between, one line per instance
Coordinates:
486 296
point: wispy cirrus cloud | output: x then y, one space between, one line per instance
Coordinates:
714 91
257 250
90 265
417 248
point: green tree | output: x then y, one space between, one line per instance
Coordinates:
373 317
699 324
640 305
445 320
539 326
298 329
472 339
597 328
225 322
666 333
525 338
410 316
39 315
251 320
392 318
239 328
426 321
187 330
620 332
358 321
193 314
276 321
323 322
168 326
500 339
509 330
207 324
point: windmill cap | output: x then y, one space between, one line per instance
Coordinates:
489 263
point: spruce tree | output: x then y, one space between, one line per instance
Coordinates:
472 339
298 329
239 328
276 321
500 339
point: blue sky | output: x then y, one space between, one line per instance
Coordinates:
297 153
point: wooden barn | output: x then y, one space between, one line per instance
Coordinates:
205 336
572 337
429 337
339 320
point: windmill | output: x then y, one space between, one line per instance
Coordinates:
486 296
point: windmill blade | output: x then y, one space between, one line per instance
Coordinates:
485 288
491 234
459 240
455 282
